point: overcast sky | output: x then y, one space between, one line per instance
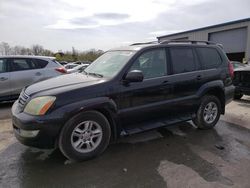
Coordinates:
103 24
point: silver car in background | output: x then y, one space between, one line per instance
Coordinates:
78 68
16 72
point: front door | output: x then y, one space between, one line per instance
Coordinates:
144 100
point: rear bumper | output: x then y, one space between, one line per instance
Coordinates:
229 94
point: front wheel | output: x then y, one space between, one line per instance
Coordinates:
85 136
208 113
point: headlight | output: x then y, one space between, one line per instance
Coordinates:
39 105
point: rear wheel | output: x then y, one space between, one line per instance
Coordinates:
208 113
238 95
85 136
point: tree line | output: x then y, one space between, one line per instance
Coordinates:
69 56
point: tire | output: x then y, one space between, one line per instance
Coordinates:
238 96
85 136
208 119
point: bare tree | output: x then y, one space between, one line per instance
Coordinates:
5 48
37 49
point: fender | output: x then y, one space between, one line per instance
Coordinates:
105 105
72 109
217 84
215 87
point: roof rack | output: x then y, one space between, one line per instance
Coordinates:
141 43
188 41
180 41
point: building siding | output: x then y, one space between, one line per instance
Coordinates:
203 34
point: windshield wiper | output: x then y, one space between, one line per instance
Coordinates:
84 72
95 74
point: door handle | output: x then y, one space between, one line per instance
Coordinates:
3 78
38 74
164 82
199 77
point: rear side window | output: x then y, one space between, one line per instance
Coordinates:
22 64
183 60
3 66
39 63
209 57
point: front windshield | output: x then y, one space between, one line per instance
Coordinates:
110 63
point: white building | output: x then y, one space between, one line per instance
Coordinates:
234 36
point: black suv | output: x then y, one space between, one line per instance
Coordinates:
125 91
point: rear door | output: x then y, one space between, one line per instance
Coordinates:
23 73
5 90
211 61
185 77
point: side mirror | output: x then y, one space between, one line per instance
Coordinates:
134 76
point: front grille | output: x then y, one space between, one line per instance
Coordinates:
245 77
22 100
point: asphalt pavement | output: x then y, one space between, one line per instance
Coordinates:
177 156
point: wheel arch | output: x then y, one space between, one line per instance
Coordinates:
103 105
215 88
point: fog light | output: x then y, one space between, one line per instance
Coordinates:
28 134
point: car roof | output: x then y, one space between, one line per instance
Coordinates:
28 56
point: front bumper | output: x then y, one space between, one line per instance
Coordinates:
36 131
242 89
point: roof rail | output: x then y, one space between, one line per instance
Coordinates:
188 41
141 43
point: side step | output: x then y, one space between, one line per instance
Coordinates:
149 125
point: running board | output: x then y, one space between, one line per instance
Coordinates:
146 126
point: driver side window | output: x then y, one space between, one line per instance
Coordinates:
152 63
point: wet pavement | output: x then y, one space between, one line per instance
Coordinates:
177 156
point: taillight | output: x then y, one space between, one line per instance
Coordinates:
231 70
61 70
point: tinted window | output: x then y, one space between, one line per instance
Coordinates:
39 64
209 57
22 64
3 65
182 60
151 63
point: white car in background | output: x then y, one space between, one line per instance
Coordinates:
16 72
70 66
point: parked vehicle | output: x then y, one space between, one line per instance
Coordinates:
78 68
82 62
70 66
237 64
125 91
63 63
17 72
241 80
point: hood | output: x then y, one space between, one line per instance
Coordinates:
63 83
